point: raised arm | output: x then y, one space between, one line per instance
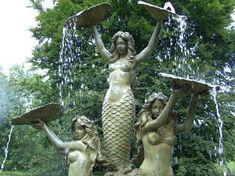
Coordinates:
188 123
151 45
100 45
164 115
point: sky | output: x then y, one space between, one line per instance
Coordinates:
16 42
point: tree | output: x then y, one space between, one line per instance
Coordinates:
27 90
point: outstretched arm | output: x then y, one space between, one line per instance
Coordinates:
52 137
100 45
188 123
64 146
151 45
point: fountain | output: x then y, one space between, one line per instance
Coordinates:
154 129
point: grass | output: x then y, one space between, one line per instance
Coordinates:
11 173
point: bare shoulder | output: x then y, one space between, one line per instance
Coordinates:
76 145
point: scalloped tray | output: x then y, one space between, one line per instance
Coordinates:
158 13
196 86
45 113
90 17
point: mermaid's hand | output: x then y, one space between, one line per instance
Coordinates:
38 124
180 90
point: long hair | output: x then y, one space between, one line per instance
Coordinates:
127 37
91 138
145 116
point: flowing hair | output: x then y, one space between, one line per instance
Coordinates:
127 37
145 115
91 139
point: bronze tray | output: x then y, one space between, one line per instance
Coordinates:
90 17
158 13
45 113
196 86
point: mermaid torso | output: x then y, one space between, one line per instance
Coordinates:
164 134
158 148
121 64
120 79
118 112
79 162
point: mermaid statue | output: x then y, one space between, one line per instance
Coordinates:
118 110
84 151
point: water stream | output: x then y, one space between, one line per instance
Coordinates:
177 49
220 148
70 55
71 52
6 148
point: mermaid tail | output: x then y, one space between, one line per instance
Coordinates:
117 121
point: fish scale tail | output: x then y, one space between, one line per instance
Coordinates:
118 129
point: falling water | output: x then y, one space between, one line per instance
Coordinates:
184 55
220 148
177 49
27 102
220 122
70 53
6 148
64 170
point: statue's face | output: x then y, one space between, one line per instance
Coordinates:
79 132
121 46
157 107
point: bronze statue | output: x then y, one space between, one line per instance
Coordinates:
118 108
156 131
84 151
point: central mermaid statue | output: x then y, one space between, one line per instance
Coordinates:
118 110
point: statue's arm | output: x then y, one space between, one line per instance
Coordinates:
73 145
165 114
52 137
100 45
163 117
151 45
188 123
